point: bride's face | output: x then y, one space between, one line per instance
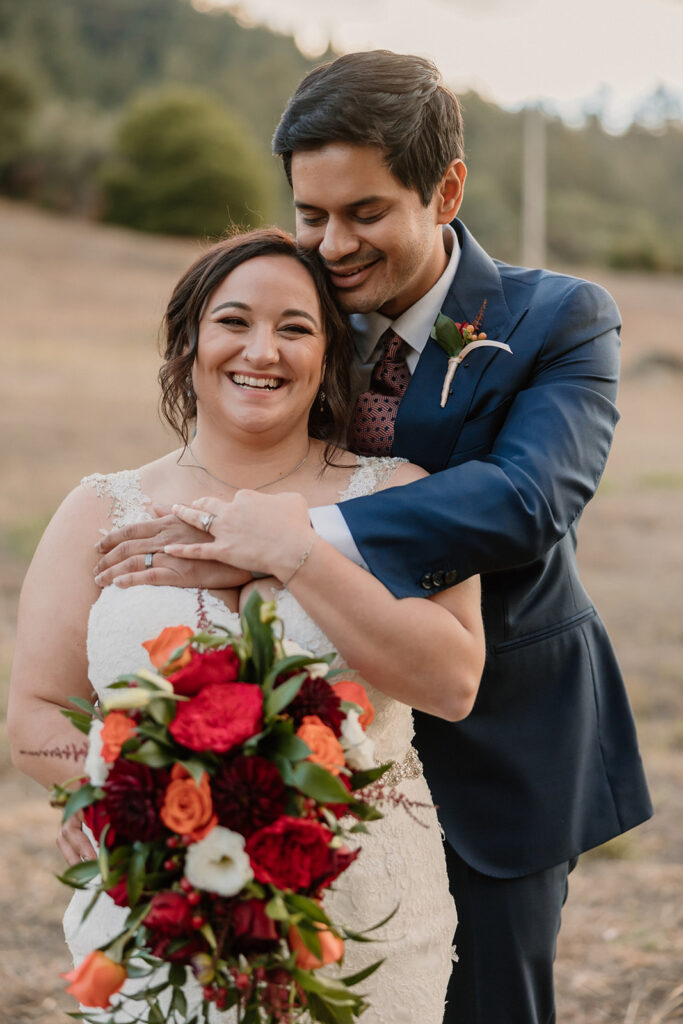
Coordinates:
261 350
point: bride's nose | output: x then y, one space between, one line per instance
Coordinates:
261 346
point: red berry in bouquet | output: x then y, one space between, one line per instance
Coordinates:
248 793
220 717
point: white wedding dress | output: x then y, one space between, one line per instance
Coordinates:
402 860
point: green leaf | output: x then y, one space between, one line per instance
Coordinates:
276 908
315 781
195 768
135 879
361 779
78 875
281 740
310 938
355 979
179 1002
364 811
329 1013
305 905
359 827
282 695
259 634
78 720
84 705
447 335
155 1015
151 754
80 798
162 711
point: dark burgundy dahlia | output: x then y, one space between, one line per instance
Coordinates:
248 793
133 798
316 697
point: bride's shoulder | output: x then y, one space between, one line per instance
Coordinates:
375 473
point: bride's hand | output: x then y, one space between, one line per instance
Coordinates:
72 841
124 554
265 533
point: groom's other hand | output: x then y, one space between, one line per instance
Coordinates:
125 557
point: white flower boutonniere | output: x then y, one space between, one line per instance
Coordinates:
458 340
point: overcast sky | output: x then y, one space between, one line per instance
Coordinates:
512 51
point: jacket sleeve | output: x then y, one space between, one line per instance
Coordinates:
510 506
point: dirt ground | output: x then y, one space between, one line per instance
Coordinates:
80 307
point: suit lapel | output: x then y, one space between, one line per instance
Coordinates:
424 432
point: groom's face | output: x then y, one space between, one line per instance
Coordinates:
382 247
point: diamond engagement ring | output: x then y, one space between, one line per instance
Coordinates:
148 559
206 521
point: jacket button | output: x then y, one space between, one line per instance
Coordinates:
438 579
426 581
450 577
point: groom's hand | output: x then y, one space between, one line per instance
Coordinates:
123 553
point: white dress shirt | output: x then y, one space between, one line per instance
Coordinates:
413 327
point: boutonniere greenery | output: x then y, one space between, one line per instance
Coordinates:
458 340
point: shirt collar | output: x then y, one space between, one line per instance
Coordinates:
413 326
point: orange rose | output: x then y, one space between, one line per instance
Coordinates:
162 647
116 730
331 948
326 749
188 807
95 979
347 689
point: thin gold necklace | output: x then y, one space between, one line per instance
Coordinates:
260 486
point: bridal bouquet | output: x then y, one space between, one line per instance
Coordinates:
220 790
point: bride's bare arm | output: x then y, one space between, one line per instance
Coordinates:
428 653
50 663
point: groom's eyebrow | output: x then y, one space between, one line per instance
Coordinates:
365 201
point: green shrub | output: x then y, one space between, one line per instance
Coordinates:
18 102
183 165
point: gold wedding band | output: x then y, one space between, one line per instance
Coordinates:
206 521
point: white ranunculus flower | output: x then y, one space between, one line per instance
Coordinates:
127 699
318 670
95 765
218 863
359 749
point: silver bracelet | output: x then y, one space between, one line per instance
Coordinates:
285 583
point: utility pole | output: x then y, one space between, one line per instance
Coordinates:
533 188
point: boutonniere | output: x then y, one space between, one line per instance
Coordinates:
458 340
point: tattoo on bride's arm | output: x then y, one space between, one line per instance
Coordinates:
69 752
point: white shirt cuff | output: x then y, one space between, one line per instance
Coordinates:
329 523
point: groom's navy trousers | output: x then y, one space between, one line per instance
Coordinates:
547 763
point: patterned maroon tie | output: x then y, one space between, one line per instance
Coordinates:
371 431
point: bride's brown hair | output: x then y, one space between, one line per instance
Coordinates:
178 405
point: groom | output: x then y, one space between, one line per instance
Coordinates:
547 764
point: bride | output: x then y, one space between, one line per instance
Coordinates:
256 367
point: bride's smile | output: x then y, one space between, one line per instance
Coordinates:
261 351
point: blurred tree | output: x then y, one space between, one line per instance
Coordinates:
18 103
183 165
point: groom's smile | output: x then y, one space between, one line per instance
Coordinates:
381 245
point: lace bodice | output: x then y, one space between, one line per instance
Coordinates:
402 861
121 620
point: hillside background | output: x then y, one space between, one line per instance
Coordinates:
74 68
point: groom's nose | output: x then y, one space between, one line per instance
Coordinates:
339 240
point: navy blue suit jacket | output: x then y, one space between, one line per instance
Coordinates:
547 763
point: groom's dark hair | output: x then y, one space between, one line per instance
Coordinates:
392 100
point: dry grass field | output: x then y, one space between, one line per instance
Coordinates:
79 307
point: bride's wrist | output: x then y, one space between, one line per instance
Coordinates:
287 572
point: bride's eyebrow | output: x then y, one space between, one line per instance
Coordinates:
235 304
300 312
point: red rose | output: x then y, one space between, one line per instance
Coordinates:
295 853
119 893
206 669
170 914
159 947
254 931
95 817
220 717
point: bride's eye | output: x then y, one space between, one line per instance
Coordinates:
233 321
296 329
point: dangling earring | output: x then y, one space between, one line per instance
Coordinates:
322 398
189 389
